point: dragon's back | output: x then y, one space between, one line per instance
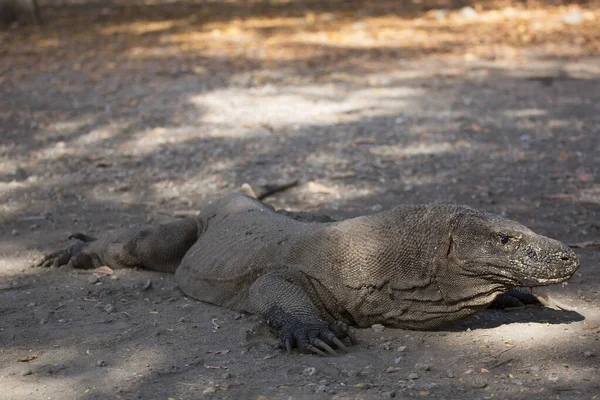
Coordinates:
241 239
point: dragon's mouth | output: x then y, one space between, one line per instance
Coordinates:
557 273
540 281
546 281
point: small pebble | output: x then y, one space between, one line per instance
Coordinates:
209 390
423 367
430 386
353 372
553 378
93 279
390 370
589 354
26 372
14 232
114 277
101 363
397 360
401 348
450 374
479 383
378 328
309 371
573 17
440 15
413 376
109 308
321 389
388 395
148 285
468 12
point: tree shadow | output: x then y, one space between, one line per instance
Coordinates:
377 126
219 11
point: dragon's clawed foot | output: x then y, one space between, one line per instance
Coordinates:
73 256
317 337
514 298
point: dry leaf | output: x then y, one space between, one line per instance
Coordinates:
589 326
561 196
27 358
103 271
585 177
319 188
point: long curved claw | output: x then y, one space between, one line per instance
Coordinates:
324 346
52 259
339 344
341 330
314 350
352 336
332 338
74 255
318 337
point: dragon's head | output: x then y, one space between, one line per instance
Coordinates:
507 252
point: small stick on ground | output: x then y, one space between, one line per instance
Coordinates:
501 363
269 190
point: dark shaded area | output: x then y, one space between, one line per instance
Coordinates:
490 319
21 11
217 10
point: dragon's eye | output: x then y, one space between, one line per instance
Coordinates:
503 239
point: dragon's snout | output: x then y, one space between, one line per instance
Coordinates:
558 266
569 260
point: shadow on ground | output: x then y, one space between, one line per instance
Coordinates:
126 115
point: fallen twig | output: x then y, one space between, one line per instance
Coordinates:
269 190
503 351
501 363
583 245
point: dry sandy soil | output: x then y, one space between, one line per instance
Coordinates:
119 114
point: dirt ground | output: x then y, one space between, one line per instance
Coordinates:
120 114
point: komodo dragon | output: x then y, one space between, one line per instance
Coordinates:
413 267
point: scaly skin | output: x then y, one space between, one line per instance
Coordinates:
414 267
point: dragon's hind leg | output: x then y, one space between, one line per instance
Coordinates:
160 248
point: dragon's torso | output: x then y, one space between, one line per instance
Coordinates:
371 269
